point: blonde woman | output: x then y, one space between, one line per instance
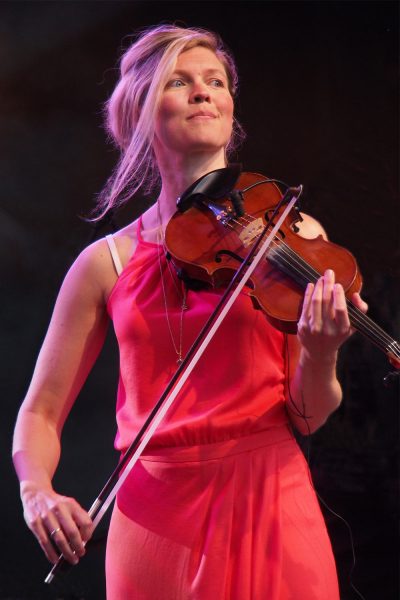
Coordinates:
220 506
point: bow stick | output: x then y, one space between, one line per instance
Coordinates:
133 453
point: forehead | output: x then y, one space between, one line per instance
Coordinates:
199 58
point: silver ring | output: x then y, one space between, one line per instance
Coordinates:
54 531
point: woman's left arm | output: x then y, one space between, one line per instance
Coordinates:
314 390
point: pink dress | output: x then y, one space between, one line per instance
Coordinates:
221 505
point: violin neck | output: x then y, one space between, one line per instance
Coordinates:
303 273
374 333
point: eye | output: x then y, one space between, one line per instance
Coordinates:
175 83
217 83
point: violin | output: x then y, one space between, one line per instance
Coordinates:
221 216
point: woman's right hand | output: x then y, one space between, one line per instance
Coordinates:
59 523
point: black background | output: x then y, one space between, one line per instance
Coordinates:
318 100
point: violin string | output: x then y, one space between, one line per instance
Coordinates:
391 345
359 319
307 273
363 323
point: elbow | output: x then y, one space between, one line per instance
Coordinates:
309 424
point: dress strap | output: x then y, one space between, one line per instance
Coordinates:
114 254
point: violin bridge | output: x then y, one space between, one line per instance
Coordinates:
251 232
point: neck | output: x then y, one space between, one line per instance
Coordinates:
178 174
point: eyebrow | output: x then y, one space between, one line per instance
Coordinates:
206 72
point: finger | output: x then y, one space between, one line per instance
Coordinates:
340 308
306 310
84 522
77 527
302 325
70 525
58 537
316 306
359 302
61 542
33 513
43 537
327 308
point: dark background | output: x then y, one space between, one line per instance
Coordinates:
318 99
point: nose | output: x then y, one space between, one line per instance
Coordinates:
199 94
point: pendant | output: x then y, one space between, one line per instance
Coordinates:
179 361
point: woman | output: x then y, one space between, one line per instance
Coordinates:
220 506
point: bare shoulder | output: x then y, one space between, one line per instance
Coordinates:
94 271
310 228
126 241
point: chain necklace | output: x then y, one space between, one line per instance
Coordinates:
181 290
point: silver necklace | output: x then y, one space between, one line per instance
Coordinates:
181 291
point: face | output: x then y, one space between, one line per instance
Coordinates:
196 109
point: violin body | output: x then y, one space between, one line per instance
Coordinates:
209 251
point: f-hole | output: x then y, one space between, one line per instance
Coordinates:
221 253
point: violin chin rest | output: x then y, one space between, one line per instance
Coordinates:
214 186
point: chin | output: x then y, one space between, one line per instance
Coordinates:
206 145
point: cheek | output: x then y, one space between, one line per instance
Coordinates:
226 107
227 111
169 111
162 121
169 108
229 106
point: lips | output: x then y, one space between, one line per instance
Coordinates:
204 114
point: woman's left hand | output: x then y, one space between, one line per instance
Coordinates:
324 323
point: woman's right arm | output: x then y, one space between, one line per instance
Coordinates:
73 341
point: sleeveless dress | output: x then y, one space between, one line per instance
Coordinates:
221 505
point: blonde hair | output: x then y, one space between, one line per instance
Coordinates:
131 110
